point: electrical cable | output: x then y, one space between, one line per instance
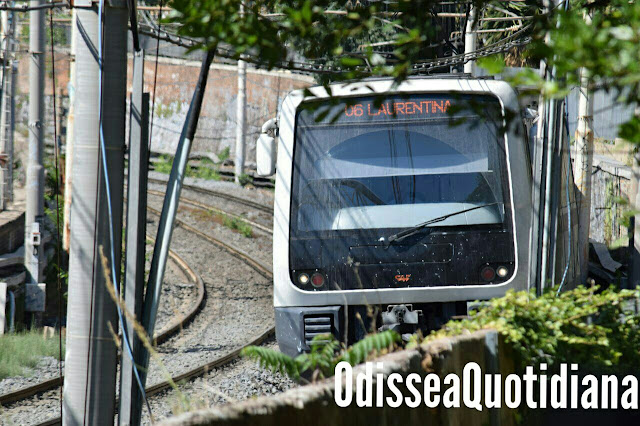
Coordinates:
57 195
103 156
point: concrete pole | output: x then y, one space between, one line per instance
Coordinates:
470 40
130 396
34 216
6 171
241 119
68 155
12 122
584 164
634 277
91 355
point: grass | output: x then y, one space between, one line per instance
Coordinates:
237 225
163 165
21 351
203 172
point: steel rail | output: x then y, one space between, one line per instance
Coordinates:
166 333
206 207
227 357
219 194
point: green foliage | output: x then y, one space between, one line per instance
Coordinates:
342 38
324 355
607 49
203 172
273 360
245 179
372 344
224 154
580 326
165 163
21 351
237 225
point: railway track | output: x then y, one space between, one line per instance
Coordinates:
220 361
206 207
220 194
161 337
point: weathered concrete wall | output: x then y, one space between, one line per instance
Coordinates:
217 125
314 404
176 81
11 231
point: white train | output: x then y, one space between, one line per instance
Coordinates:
395 206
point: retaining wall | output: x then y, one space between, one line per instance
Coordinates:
11 231
314 404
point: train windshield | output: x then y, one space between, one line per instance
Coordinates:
364 169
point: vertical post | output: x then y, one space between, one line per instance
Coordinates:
170 207
584 163
34 220
12 121
130 396
3 303
241 120
634 277
90 363
68 153
470 40
6 169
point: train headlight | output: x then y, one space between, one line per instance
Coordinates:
488 273
317 280
303 279
502 271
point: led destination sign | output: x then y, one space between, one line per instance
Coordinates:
398 108
416 106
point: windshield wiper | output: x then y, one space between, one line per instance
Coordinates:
408 232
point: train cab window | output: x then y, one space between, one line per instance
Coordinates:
377 168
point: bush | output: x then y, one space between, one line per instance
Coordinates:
598 330
594 329
324 355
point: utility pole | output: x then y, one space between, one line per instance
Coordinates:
241 119
68 153
634 277
34 216
470 40
130 395
91 354
6 139
584 163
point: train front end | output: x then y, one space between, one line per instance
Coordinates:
394 207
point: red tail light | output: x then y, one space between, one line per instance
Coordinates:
317 279
488 273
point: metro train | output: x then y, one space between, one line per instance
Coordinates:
395 206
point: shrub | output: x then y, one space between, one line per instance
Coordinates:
324 355
594 329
